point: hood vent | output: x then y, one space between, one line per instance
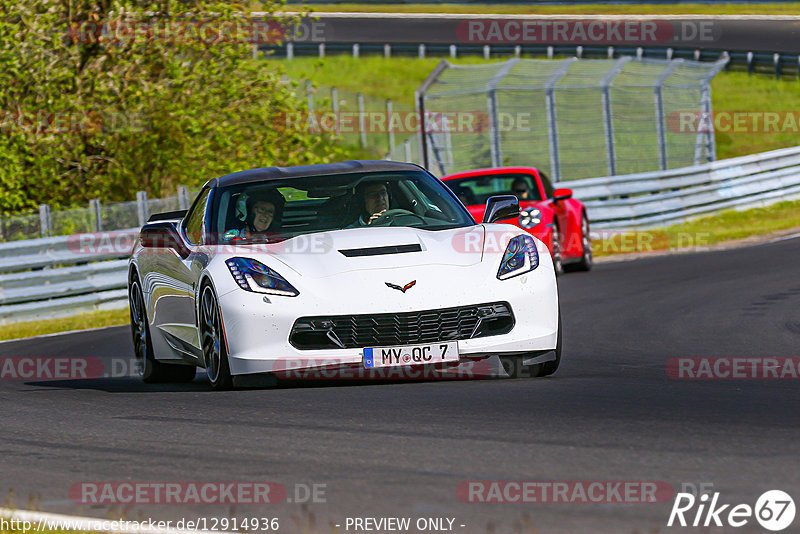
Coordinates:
380 251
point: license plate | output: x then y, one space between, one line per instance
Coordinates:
425 354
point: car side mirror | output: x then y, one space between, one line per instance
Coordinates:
562 194
163 235
500 208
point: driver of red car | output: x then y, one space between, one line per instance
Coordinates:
374 199
520 189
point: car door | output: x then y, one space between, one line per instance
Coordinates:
175 319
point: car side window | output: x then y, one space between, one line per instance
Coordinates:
547 184
194 222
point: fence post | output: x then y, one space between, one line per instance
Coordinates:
361 121
44 220
421 52
141 207
495 148
387 50
335 103
453 51
487 52
776 59
552 124
660 121
94 206
355 50
321 49
608 118
183 197
389 123
290 51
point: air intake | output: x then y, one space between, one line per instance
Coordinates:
380 251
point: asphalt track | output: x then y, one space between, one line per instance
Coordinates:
401 449
765 33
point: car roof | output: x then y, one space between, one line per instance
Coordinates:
491 170
304 171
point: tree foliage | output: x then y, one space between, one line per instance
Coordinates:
90 111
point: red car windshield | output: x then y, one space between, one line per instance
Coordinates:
477 189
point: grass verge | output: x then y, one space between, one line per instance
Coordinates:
700 233
65 324
721 8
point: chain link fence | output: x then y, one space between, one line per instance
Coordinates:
374 126
577 118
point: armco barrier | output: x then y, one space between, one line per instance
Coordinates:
57 276
664 197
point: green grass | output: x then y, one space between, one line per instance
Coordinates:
724 226
721 8
66 324
397 78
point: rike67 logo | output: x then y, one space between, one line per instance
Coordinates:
774 510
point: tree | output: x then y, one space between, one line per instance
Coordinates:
104 98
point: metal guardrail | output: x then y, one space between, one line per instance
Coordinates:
56 276
663 197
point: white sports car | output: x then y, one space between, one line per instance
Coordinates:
355 265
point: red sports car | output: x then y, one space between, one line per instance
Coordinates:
553 216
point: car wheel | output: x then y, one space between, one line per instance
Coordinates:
586 261
149 369
213 341
558 263
514 368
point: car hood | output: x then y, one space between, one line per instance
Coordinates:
326 254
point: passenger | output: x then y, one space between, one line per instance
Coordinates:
373 199
264 211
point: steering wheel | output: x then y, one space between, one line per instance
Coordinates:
395 215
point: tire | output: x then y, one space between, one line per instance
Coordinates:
587 260
151 370
514 368
548 368
558 262
212 340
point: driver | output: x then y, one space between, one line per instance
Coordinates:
373 197
520 189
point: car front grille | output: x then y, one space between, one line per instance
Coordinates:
388 329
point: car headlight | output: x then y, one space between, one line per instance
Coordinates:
530 218
252 275
519 258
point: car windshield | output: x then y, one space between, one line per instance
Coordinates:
275 210
478 189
